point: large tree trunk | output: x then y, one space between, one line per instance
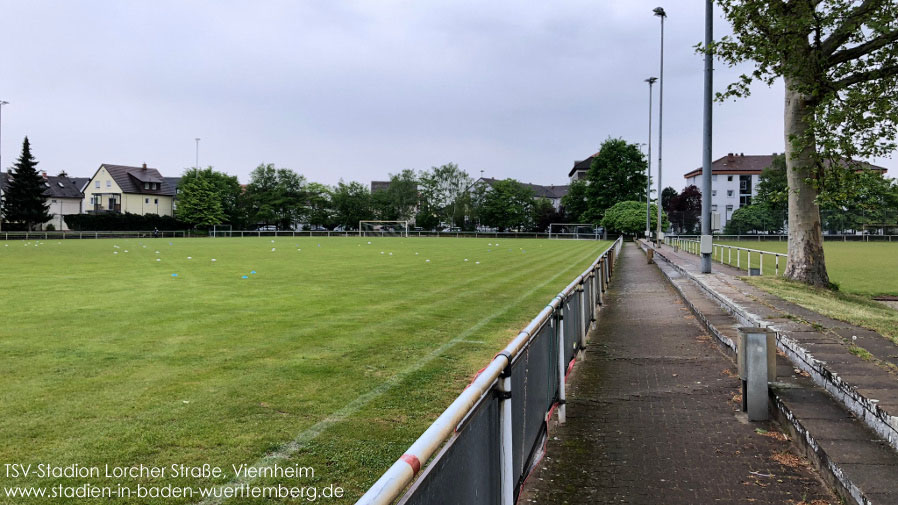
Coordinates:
805 263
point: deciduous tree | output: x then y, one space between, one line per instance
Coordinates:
617 174
839 61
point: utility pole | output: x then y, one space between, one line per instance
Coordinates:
706 246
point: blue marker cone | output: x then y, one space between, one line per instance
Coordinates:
174 275
253 272
245 277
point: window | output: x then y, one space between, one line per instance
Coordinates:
146 200
61 185
729 208
97 184
91 200
744 200
157 201
713 208
108 183
53 201
713 192
729 178
730 193
146 185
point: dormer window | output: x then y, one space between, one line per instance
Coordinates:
146 185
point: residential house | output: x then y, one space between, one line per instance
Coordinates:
552 193
578 173
138 190
734 181
63 194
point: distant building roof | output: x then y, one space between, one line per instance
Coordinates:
379 186
747 164
131 179
54 186
582 165
539 191
173 182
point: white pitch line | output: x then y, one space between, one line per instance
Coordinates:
312 432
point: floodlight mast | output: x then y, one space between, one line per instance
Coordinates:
706 139
659 11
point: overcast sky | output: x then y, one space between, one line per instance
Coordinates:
360 89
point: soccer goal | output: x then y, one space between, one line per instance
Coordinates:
383 228
573 231
221 230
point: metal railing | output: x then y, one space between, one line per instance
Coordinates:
65 235
763 237
493 434
724 254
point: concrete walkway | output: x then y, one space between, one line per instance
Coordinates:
653 414
837 405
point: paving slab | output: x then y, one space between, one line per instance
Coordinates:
851 456
654 414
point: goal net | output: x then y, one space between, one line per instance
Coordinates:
221 230
573 231
383 228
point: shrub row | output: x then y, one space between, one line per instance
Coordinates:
123 222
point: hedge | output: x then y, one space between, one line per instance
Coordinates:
111 221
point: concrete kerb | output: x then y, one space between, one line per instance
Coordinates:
820 375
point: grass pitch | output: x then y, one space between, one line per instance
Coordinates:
330 353
862 268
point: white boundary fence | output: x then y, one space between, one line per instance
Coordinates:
494 432
722 252
411 233
64 235
60 235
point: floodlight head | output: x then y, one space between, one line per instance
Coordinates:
651 80
4 102
659 11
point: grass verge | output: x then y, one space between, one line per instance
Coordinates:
854 309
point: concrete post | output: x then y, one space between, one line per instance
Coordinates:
562 366
757 368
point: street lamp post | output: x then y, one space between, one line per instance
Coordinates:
197 154
659 11
2 103
648 168
707 249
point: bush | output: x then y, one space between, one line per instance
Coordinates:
629 218
122 222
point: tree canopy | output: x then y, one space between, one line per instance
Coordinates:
207 197
629 218
839 61
507 205
617 174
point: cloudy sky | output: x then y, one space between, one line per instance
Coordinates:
360 89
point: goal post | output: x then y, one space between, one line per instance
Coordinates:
383 228
573 231
221 230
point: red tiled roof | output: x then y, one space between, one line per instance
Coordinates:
745 164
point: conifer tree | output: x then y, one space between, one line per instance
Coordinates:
24 200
